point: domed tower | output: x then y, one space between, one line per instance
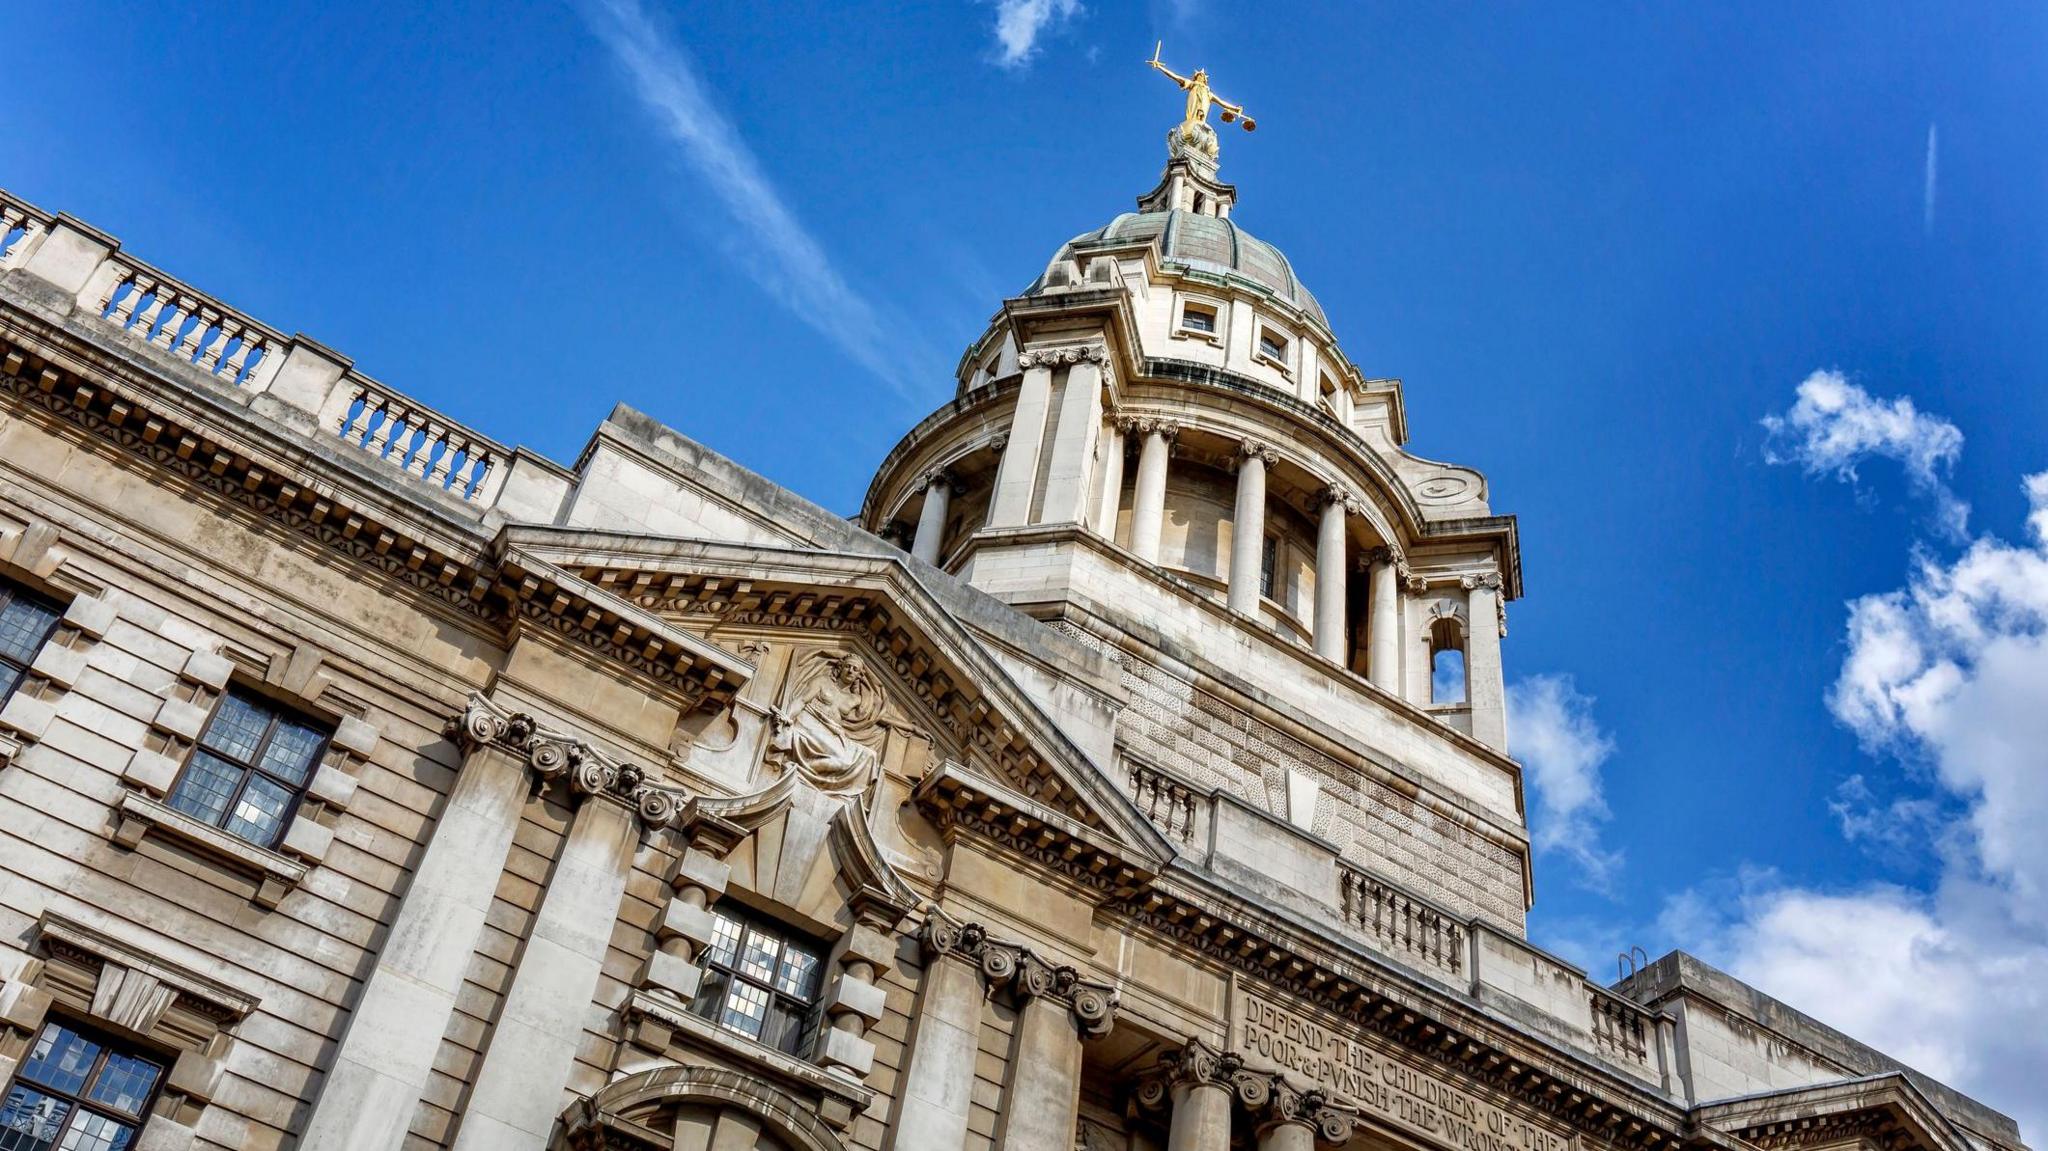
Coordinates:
1161 445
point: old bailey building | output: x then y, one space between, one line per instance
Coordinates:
368 784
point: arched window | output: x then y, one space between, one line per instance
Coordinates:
1446 661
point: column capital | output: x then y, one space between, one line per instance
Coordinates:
1072 354
1253 449
1015 967
936 477
1338 494
553 755
1379 556
1483 580
1153 426
1273 1102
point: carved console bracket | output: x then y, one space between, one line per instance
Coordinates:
1015 967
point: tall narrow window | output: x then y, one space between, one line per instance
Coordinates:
26 623
1446 662
760 981
1269 566
249 768
77 1092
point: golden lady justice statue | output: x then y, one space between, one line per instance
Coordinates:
1194 130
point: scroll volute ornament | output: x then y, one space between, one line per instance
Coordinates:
554 755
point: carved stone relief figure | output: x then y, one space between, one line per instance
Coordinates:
829 726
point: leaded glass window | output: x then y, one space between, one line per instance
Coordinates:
77 1092
26 623
249 768
760 981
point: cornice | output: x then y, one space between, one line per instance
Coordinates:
410 540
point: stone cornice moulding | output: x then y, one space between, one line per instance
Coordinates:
1091 1005
958 800
305 484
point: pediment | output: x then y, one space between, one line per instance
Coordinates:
770 604
1886 1112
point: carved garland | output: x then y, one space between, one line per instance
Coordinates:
557 755
1014 966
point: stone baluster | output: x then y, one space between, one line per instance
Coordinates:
1383 639
685 929
1485 690
1330 625
1148 501
173 317
931 519
1248 528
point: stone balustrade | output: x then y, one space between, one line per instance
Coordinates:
172 322
1403 925
1622 1028
416 439
1166 801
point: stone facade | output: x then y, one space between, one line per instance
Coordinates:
368 784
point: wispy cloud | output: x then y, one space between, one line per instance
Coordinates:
1836 425
1551 729
1933 171
1020 24
777 251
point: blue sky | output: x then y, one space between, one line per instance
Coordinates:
1777 697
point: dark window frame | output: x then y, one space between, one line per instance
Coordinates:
720 976
1269 567
81 1101
1210 318
253 767
10 592
1272 344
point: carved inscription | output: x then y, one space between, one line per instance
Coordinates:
1379 1085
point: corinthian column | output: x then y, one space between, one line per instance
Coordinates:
387 1054
1017 474
1148 501
1044 1098
931 521
1198 1088
1383 645
1330 569
1248 528
938 1078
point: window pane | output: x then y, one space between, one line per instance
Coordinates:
785 1028
206 788
9 676
62 1059
709 1002
97 1133
237 727
757 958
1195 319
124 1083
29 1119
746 1007
24 625
259 814
799 974
291 751
725 940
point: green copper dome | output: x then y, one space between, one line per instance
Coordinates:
1203 243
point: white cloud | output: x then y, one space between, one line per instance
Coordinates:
1946 678
774 247
1552 731
1020 23
1836 425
